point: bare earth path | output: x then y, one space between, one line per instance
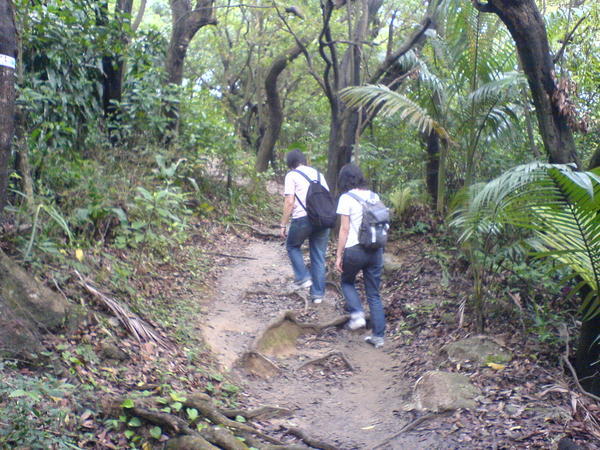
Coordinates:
352 404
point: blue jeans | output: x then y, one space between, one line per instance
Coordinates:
356 258
300 230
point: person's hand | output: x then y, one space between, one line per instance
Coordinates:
338 264
283 232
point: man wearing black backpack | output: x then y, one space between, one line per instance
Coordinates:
309 204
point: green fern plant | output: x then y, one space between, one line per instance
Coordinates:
559 205
400 199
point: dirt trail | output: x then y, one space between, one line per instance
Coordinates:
354 407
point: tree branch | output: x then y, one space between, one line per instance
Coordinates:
567 39
407 46
484 7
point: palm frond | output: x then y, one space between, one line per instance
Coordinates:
560 205
502 89
388 103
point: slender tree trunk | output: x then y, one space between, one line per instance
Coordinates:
341 74
114 65
432 165
588 351
274 111
526 26
595 160
8 54
187 20
441 184
588 354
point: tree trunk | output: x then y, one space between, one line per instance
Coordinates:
526 26
274 111
595 160
588 354
112 65
8 54
432 165
186 23
339 75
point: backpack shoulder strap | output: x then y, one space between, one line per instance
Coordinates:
356 197
304 175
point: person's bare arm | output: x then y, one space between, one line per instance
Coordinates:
342 238
288 206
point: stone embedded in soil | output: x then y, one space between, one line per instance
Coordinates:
110 350
391 263
280 339
257 365
478 349
443 391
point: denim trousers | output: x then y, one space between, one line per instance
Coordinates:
300 230
356 258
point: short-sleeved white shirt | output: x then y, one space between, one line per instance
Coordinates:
348 206
295 184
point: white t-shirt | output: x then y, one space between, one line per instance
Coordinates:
296 184
348 206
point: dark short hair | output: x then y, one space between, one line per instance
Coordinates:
351 177
294 158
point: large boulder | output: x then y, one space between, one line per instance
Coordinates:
28 309
443 391
477 349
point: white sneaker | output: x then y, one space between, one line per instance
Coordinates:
317 300
357 321
303 285
375 341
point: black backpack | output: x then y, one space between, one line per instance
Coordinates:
373 232
320 207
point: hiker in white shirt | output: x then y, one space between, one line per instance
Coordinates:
300 228
352 257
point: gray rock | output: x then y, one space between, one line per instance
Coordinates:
478 349
111 351
391 263
443 391
28 309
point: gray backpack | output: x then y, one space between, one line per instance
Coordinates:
373 231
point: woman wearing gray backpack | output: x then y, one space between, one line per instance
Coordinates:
362 236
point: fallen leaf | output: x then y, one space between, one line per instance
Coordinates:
496 366
370 427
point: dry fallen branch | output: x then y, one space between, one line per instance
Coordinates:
256 231
406 428
577 383
141 330
310 441
334 354
228 256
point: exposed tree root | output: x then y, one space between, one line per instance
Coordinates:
203 403
334 285
222 434
261 413
327 356
311 442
